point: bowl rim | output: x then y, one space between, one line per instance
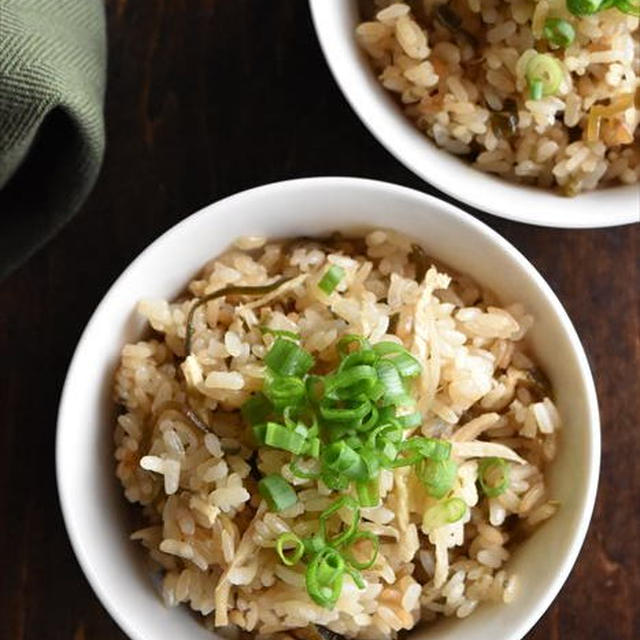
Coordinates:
374 106
67 398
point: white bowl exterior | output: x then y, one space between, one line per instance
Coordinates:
335 22
91 498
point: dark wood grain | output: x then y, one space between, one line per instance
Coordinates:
207 98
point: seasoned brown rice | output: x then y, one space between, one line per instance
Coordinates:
468 91
204 524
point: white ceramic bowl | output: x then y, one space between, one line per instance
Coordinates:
91 499
335 22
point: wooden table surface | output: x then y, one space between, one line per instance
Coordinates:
206 98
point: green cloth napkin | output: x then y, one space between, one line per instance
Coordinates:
52 79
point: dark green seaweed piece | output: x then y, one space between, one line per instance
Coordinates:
452 21
315 632
420 261
227 291
505 122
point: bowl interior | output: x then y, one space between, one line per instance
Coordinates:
92 502
335 22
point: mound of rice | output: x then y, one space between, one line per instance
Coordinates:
205 525
467 89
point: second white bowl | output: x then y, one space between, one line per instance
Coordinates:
335 22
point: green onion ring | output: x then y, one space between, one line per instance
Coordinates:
289 559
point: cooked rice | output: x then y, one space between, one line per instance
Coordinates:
455 89
204 523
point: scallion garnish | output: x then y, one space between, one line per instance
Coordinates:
346 425
446 512
277 492
257 409
298 472
584 7
394 390
286 358
279 333
324 577
349 339
544 75
535 89
410 420
284 391
331 279
346 502
279 437
493 476
407 365
338 457
589 7
437 476
368 493
559 32
375 543
294 550
631 7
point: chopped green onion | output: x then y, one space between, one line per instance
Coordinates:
368 493
385 439
327 563
277 492
535 89
344 536
335 482
286 358
280 333
312 447
361 356
631 7
331 278
394 391
544 75
298 472
231 290
347 340
294 556
330 566
259 432
559 32
446 512
371 461
375 544
284 391
353 411
279 437
493 475
411 420
314 544
341 459
428 447
407 365
356 576
437 476
314 387
369 421
256 409
584 7
359 379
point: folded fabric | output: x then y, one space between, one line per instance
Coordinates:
52 79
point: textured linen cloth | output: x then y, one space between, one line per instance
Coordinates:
52 79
